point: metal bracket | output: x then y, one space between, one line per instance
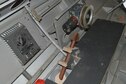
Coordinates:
62 63
37 17
68 49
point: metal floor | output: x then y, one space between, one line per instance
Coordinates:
97 48
116 73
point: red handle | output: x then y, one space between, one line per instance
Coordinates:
40 81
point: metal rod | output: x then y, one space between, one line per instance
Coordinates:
63 70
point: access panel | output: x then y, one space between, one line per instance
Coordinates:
21 42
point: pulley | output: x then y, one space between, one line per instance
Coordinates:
86 16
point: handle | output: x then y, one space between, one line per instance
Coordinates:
74 39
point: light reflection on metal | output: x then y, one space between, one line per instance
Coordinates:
124 4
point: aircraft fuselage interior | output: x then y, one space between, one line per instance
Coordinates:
62 41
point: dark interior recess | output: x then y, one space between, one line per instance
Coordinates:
17 3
